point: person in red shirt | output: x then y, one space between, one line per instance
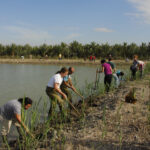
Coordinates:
91 58
94 58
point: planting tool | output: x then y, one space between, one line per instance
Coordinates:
79 94
97 78
31 135
73 107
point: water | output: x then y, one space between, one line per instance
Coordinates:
19 80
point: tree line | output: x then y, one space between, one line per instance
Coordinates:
77 50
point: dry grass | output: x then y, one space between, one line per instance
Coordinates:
126 125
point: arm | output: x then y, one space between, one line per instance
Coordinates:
114 70
103 68
56 87
71 85
99 71
111 69
18 117
67 84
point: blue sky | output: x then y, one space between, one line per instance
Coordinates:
54 21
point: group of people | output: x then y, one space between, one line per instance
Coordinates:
110 72
57 90
58 93
92 58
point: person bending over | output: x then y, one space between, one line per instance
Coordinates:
53 91
10 113
106 68
67 83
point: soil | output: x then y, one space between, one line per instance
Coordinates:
112 124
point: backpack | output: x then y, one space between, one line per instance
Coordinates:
133 68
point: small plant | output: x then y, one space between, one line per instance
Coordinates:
131 96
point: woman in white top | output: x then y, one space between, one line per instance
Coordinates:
53 90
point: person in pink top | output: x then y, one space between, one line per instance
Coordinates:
106 68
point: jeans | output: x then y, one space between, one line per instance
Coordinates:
117 81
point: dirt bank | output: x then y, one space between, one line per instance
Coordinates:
56 61
113 123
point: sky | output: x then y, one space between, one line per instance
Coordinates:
36 22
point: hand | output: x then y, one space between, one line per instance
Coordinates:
64 96
73 88
27 130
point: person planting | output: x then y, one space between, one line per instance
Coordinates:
67 83
106 68
118 76
11 113
53 90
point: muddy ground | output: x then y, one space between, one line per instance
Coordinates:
112 124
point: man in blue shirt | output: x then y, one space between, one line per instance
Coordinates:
111 64
67 83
